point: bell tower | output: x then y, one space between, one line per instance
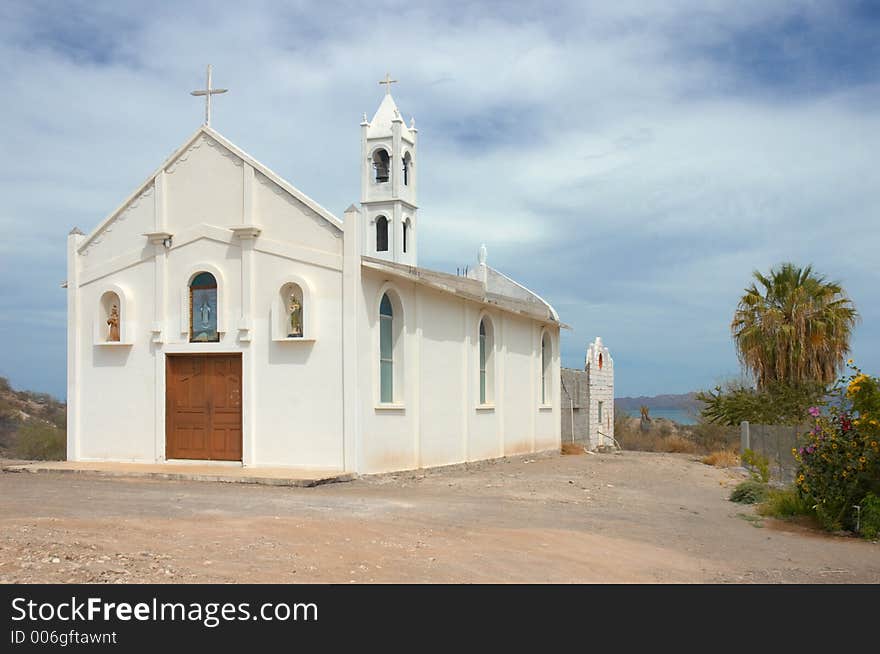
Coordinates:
388 183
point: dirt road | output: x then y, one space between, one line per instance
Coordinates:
632 517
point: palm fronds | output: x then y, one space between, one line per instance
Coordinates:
793 326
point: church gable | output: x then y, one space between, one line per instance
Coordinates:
209 181
204 185
284 218
124 232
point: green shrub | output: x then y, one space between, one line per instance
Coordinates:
749 492
40 440
785 503
870 517
778 403
758 464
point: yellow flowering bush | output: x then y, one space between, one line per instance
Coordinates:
839 463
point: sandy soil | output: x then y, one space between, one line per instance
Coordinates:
631 517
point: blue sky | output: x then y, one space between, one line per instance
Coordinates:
632 161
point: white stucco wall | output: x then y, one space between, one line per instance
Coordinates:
274 208
436 420
298 383
116 381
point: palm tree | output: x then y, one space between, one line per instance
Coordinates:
795 328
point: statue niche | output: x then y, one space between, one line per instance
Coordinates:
113 324
294 309
288 313
108 323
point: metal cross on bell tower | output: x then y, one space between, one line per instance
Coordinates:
208 92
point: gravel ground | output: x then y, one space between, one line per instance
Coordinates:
631 517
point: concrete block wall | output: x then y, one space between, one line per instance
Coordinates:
574 406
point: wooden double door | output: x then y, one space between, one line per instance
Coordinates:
203 407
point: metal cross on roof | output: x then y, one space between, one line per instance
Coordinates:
388 82
208 92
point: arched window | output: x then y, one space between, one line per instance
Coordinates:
203 309
545 369
406 228
381 165
386 350
381 234
600 362
487 361
407 163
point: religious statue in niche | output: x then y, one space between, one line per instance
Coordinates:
295 309
113 323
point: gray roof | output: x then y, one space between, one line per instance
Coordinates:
500 291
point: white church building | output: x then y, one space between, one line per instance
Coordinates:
220 314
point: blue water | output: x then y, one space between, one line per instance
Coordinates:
681 416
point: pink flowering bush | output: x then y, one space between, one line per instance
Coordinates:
840 459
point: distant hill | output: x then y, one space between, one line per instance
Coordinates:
683 402
38 415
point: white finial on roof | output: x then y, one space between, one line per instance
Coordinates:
208 92
388 82
412 122
483 255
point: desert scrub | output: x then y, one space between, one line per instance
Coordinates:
721 459
710 437
749 492
652 441
676 444
40 440
784 503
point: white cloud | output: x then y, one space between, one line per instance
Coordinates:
627 161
